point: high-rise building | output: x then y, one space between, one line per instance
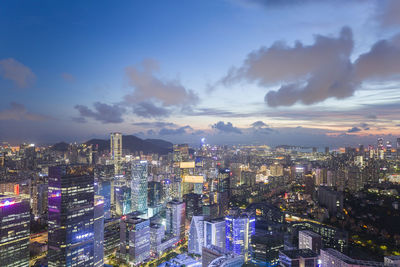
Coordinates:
111 236
238 229
98 226
123 197
71 216
193 205
14 230
135 237
139 186
398 147
214 233
311 240
195 240
116 151
175 218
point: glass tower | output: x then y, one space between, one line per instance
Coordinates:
14 230
71 216
139 186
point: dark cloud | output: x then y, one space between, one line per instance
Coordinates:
354 130
148 88
79 119
102 112
365 126
226 127
310 74
258 124
261 127
18 112
148 109
21 75
178 131
156 124
381 62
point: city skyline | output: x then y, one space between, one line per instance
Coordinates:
232 71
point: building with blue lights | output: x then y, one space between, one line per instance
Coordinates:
239 228
71 216
14 230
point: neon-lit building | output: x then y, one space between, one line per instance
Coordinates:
238 229
14 230
71 216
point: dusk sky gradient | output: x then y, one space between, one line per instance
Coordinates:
321 73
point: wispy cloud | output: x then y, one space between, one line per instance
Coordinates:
18 112
21 75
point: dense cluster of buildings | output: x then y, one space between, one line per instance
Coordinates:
205 206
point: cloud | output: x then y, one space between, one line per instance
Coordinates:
381 62
310 74
261 127
178 131
102 112
79 119
67 77
148 109
21 75
156 124
354 130
226 127
161 93
259 124
388 15
18 112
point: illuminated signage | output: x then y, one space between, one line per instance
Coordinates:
187 165
195 179
7 203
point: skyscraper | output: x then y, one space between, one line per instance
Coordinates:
175 218
116 151
98 231
238 229
195 241
14 231
71 216
135 239
139 186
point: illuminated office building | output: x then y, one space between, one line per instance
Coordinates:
71 216
195 240
135 239
116 151
214 233
123 197
238 229
98 226
14 230
175 218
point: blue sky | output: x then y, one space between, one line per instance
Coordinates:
179 70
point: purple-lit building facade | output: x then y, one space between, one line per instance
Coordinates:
14 230
71 216
238 230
